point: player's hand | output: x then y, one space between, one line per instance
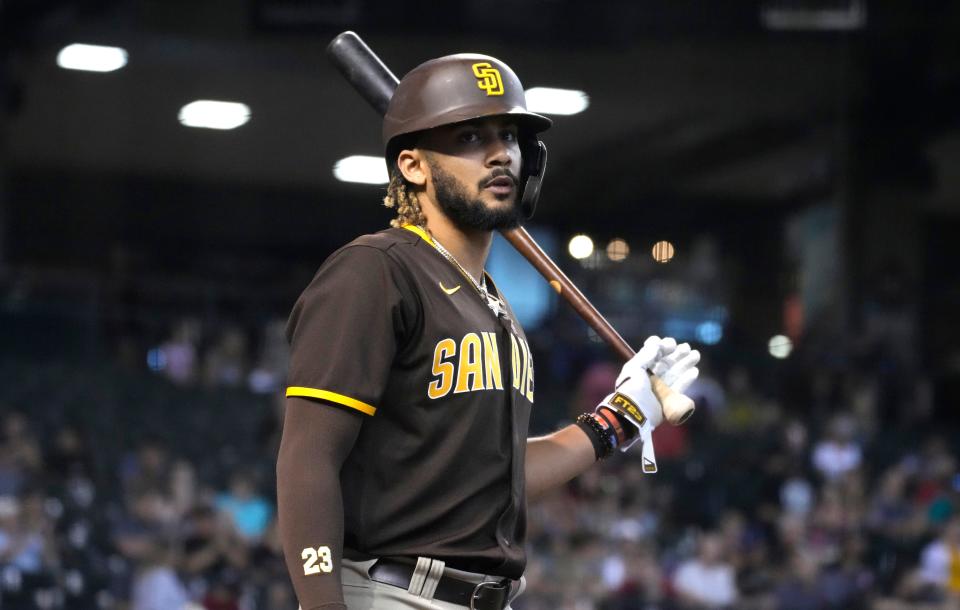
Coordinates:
634 403
633 399
677 368
655 351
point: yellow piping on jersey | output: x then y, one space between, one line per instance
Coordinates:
419 231
340 399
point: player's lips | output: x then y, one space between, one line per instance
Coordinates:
501 185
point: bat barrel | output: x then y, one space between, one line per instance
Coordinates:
363 69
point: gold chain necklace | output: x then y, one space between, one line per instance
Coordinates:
494 303
480 286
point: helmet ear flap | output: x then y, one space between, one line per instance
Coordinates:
534 154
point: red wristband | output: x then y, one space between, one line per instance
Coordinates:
626 429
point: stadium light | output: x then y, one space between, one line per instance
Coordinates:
91 58
361 168
618 250
780 346
580 247
662 251
549 100
212 114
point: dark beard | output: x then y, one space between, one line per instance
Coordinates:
471 214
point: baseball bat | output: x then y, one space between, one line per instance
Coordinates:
376 83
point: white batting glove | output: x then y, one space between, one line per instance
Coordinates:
634 401
677 368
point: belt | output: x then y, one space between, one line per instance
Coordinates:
491 595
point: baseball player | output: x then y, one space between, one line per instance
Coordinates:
405 467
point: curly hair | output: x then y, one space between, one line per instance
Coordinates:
400 196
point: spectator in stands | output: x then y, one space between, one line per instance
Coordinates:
26 535
839 453
248 510
20 455
213 554
746 550
797 494
69 457
938 483
757 569
743 407
156 585
838 514
27 554
271 369
147 520
798 590
183 488
891 514
226 362
938 578
796 441
641 584
147 468
707 580
180 352
846 584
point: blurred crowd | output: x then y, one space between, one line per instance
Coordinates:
756 508
757 505
144 533
194 355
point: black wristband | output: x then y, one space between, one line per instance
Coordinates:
598 435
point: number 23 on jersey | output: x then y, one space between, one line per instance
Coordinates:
317 560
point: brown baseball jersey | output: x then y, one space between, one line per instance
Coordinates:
393 331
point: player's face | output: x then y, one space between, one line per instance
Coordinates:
474 169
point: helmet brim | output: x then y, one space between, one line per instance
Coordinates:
529 122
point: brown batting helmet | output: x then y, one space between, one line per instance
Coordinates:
463 87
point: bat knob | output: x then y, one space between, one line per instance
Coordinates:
677 408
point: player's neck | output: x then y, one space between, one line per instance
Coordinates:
470 248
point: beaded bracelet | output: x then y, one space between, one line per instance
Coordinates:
601 434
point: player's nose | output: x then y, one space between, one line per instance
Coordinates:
499 153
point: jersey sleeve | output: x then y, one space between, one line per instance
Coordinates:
344 331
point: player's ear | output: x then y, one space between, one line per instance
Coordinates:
413 166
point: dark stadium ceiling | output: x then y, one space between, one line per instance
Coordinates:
688 103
